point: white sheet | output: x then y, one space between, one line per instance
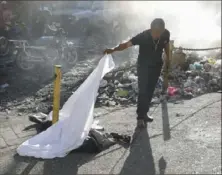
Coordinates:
75 119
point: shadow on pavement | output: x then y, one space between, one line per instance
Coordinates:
193 114
17 162
68 165
162 166
186 118
29 168
140 160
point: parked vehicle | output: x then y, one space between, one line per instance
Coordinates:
47 49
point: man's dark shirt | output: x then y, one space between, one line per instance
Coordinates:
147 54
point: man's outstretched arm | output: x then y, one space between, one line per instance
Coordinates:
136 40
120 47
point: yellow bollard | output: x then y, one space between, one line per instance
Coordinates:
56 95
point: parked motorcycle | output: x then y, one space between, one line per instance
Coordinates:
46 50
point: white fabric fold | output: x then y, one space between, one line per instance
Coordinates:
75 119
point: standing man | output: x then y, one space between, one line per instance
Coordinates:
149 64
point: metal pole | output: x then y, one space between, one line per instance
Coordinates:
165 115
56 95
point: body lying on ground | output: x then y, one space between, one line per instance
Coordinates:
94 143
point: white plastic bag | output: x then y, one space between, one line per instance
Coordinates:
75 119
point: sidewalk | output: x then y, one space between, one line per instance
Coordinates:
192 143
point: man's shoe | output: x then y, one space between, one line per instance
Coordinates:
141 124
35 119
148 118
39 118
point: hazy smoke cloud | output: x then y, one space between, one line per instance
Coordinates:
192 23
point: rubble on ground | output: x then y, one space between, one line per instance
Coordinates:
200 76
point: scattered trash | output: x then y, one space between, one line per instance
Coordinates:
207 67
179 115
198 66
122 93
202 75
7 111
96 126
3 87
192 67
211 61
178 59
172 91
38 118
103 83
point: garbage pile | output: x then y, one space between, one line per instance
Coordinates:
120 87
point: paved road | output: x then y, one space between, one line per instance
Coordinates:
191 143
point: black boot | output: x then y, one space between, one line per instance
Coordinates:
148 118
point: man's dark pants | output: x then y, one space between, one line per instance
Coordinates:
147 79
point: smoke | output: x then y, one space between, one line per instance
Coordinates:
195 24
192 24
